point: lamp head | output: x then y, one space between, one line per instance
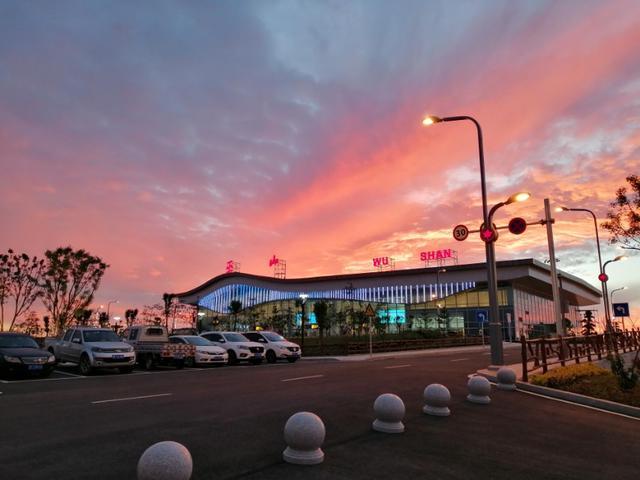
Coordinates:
201 314
561 209
620 257
430 120
518 197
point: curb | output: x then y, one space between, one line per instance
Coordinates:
573 397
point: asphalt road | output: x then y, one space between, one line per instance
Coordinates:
231 419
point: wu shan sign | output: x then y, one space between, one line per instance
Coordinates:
436 255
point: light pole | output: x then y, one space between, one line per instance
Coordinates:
303 300
603 284
604 278
109 306
611 298
438 272
495 325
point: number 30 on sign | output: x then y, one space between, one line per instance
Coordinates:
460 232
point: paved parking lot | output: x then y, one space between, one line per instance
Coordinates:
231 419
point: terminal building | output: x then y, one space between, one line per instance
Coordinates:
454 300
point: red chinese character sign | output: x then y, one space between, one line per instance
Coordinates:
273 261
232 266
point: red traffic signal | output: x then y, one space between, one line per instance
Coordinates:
488 235
517 225
603 277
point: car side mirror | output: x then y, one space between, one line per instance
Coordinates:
222 340
75 340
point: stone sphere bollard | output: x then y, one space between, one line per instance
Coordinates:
437 398
304 433
506 379
479 390
165 461
389 411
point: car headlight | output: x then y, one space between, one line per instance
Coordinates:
51 359
130 349
204 352
243 347
10 359
97 349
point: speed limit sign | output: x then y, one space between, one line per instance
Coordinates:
460 232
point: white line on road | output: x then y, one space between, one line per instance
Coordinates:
487 353
67 373
399 366
458 359
132 398
301 378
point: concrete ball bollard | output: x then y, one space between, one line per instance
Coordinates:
304 434
506 379
165 461
479 390
389 411
437 398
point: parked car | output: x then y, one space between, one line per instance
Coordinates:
92 348
239 347
21 355
151 343
276 346
206 352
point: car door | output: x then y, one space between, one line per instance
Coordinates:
75 346
64 345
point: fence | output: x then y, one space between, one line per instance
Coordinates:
544 352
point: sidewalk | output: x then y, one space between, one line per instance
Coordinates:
412 353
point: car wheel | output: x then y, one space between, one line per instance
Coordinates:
149 363
292 360
179 364
85 365
271 356
125 369
233 360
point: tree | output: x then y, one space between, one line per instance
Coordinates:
69 282
234 308
320 309
83 315
20 280
167 298
588 323
624 217
130 316
30 325
103 320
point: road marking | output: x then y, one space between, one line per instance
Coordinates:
487 353
67 373
577 404
399 366
4 381
458 359
301 378
132 398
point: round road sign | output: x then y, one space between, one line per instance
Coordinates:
460 232
517 225
603 277
488 235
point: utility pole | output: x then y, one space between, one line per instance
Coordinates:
557 309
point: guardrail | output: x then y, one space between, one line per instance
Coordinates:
544 352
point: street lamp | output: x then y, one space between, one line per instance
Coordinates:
109 306
495 326
604 279
303 300
611 298
438 272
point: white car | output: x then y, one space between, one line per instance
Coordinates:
206 352
276 346
239 347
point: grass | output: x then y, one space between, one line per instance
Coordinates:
591 380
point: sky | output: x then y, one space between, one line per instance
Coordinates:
169 137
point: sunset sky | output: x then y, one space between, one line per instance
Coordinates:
168 137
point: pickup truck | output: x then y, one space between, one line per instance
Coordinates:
152 347
92 348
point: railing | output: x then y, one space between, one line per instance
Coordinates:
544 352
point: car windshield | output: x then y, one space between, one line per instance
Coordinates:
17 341
235 337
273 337
100 336
203 342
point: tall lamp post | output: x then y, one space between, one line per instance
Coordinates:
303 300
438 272
603 284
604 278
611 298
495 325
109 306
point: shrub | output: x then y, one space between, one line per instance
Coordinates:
627 377
563 376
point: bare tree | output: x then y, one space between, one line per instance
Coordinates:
21 282
624 217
